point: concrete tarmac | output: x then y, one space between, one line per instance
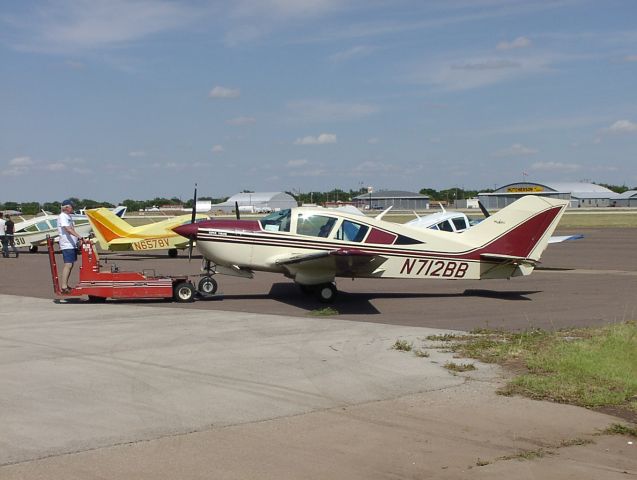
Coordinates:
118 391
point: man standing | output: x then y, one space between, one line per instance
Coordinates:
3 236
68 242
10 230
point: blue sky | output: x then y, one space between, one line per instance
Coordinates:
114 99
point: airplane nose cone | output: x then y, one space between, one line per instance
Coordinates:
189 230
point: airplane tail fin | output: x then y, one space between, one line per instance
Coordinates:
518 234
120 210
107 226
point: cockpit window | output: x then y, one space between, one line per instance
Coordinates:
314 225
351 231
460 224
277 221
446 226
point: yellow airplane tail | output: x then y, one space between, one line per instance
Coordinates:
107 226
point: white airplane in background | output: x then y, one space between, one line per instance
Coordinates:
454 221
33 232
313 246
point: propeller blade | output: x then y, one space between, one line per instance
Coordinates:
485 212
236 209
192 220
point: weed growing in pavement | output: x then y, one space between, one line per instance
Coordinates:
402 345
421 353
459 367
446 337
324 312
620 429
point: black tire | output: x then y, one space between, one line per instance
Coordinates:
326 292
207 286
172 252
184 292
33 249
94 299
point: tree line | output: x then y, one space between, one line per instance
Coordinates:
319 198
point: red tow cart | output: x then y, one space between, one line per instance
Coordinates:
99 286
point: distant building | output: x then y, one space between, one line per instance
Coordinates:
579 194
626 199
257 202
398 199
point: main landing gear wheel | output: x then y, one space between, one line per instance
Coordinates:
184 292
33 249
95 299
207 285
172 252
326 292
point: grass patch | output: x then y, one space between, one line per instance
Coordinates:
620 429
402 345
447 337
459 367
586 367
421 353
324 312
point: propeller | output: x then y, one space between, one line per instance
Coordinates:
192 220
236 210
484 210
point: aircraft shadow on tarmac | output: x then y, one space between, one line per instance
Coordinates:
355 303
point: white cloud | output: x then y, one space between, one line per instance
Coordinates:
630 58
55 166
137 153
218 149
238 121
479 71
322 139
223 92
72 26
622 126
373 140
354 52
520 42
515 150
556 166
322 111
21 162
297 163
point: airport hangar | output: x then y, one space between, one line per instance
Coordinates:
398 199
257 202
579 194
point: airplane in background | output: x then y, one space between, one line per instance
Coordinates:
115 234
32 233
454 221
314 246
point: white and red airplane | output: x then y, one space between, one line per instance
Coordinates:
313 246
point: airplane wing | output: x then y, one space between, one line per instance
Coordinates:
340 262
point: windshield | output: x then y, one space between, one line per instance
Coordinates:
277 221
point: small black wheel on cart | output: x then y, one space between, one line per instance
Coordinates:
95 299
207 285
184 292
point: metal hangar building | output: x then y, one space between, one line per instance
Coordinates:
579 194
398 199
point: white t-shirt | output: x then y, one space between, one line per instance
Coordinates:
67 241
3 227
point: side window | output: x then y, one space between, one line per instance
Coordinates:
351 231
54 223
460 224
42 226
446 226
277 221
314 225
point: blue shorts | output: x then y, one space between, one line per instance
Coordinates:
69 255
